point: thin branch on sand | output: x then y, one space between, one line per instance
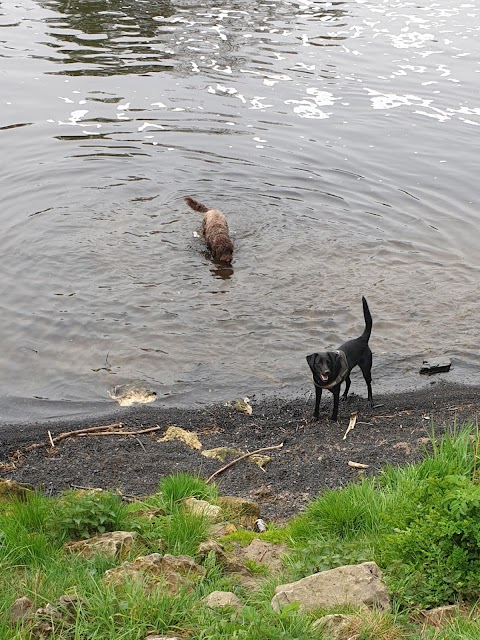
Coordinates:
245 455
105 430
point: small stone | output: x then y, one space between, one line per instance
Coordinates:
20 608
177 433
336 625
243 512
440 615
436 365
14 489
242 405
222 529
203 508
220 599
41 630
231 564
265 553
114 544
175 571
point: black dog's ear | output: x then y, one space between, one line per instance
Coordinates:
311 360
335 359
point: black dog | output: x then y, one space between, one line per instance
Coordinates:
331 368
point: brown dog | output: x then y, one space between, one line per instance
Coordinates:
215 231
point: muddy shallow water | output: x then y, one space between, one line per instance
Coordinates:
337 137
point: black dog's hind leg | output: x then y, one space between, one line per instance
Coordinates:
366 370
318 397
348 382
336 396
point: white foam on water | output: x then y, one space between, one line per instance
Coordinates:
310 107
150 125
257 103
75 117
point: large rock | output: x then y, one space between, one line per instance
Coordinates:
114 544
243 512
347 585
174 571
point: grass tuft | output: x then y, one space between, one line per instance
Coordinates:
175 488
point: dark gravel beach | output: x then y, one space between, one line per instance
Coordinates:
314 454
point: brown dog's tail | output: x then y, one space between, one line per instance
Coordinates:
368 321
196 206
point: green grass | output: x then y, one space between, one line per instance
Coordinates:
173 489
421 523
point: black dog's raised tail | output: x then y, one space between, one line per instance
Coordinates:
368 321
196 206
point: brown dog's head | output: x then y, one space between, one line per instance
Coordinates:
324 366
223 251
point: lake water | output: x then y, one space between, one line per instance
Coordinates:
340 139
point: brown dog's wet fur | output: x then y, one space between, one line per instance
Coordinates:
215 231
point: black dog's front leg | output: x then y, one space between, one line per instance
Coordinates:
336 397
318 397
348 382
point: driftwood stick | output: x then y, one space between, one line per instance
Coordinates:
141 444
106 430
136 433
31 447
89 430
68 434
119 433
245 455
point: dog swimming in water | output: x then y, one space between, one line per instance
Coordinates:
215 231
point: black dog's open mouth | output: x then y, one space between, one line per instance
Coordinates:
323 377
